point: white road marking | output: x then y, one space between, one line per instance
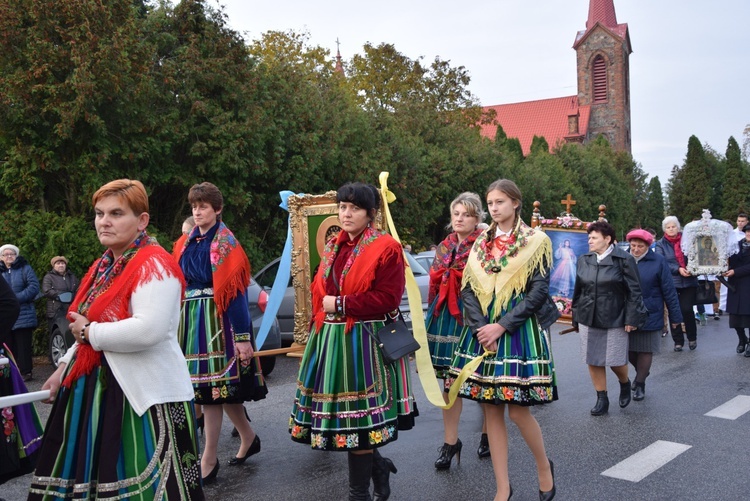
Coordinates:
644 462
732 409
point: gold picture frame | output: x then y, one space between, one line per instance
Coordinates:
314 221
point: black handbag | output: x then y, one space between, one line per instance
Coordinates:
394 339
706 292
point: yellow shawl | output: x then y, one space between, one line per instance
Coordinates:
506 276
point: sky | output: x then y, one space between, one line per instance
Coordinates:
689 70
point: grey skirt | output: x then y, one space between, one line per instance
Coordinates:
604 347
644 341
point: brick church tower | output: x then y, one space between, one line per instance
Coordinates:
603 52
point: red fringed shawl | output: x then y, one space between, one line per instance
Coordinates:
447 271
113 304
373 249
229 265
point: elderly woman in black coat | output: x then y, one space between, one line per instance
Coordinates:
738 296
607 305
58 280
657 288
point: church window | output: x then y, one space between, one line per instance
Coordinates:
600 80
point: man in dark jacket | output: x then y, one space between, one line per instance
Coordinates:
18 274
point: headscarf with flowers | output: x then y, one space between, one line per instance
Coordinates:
230 266
104 294
447 272
501 267
373 248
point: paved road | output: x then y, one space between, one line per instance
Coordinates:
683 387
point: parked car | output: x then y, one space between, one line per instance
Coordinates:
267 275
61 338
426 258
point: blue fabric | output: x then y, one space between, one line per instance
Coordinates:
25 285
282 278
658 288
196 266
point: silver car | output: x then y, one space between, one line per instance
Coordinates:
266 276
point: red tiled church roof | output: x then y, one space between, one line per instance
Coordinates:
547 118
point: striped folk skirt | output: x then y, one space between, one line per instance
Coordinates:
443 333
96 447
208 344
522 371
347 398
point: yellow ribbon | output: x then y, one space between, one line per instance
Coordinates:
432 389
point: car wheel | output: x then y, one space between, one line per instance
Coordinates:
267 364
57 346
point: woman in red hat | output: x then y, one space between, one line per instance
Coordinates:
657 288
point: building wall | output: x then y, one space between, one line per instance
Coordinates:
610 119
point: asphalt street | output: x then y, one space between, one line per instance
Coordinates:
682 388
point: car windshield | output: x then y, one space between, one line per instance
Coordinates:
416 268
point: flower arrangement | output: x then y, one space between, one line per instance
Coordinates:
565 220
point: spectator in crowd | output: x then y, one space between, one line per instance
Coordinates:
18 274
58 281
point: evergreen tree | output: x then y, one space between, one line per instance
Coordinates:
690 186
736 192
538 145
654 206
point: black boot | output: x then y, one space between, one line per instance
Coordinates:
640 391
602 404
625 393
381 470
483 451
446 455
360 471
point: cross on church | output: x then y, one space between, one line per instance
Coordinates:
567 203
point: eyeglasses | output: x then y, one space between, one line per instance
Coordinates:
9 254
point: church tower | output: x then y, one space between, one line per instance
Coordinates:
602 53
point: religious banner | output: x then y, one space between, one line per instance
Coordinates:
569 240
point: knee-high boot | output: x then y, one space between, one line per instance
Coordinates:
381 471
360 471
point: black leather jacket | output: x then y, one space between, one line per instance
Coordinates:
607 294
536 301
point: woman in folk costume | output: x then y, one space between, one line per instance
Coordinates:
507 310
348 399
216 333
122 423
444 318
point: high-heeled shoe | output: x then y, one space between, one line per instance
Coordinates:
483 451
447 452
253 449
211 477
199 424
550 494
